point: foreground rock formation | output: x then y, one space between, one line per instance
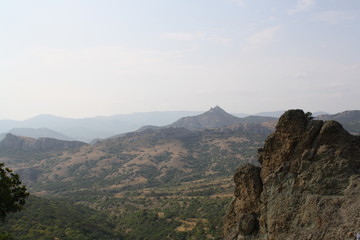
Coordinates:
307 188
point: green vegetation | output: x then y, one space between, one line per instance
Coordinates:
53 219
166 218
157 185
177 219
12 193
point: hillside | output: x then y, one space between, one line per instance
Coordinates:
44 219
136 160
148 158
174 176
174 181
307 188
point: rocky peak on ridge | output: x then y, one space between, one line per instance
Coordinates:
307 188
214 118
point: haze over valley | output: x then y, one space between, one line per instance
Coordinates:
179 120
176 173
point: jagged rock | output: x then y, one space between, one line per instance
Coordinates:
242 217
308 186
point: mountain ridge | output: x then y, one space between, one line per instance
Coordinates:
101 127
36 133
215 117
17 143
87 129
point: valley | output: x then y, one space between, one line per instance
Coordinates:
171 182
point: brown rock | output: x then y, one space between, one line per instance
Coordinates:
308 186
244 210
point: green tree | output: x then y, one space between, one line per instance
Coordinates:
12 193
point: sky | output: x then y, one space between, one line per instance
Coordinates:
85 58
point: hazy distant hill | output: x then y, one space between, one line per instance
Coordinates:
214 118
36 133
87 129
277 114
349 119
14 144
258 119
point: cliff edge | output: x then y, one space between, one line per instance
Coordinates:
307 188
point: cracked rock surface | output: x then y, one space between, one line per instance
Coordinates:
307 188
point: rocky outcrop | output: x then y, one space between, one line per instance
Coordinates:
307 188
16 143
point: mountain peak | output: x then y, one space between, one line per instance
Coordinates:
216 109
214 118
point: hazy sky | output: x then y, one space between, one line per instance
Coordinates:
82 58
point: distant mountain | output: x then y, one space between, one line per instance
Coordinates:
315 114
12 143
87 129
36 133
214 118
258 119
277 114
350 120
240 115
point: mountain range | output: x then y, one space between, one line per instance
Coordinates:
36 133
162 169
171 173
214 118
211 144
88 129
